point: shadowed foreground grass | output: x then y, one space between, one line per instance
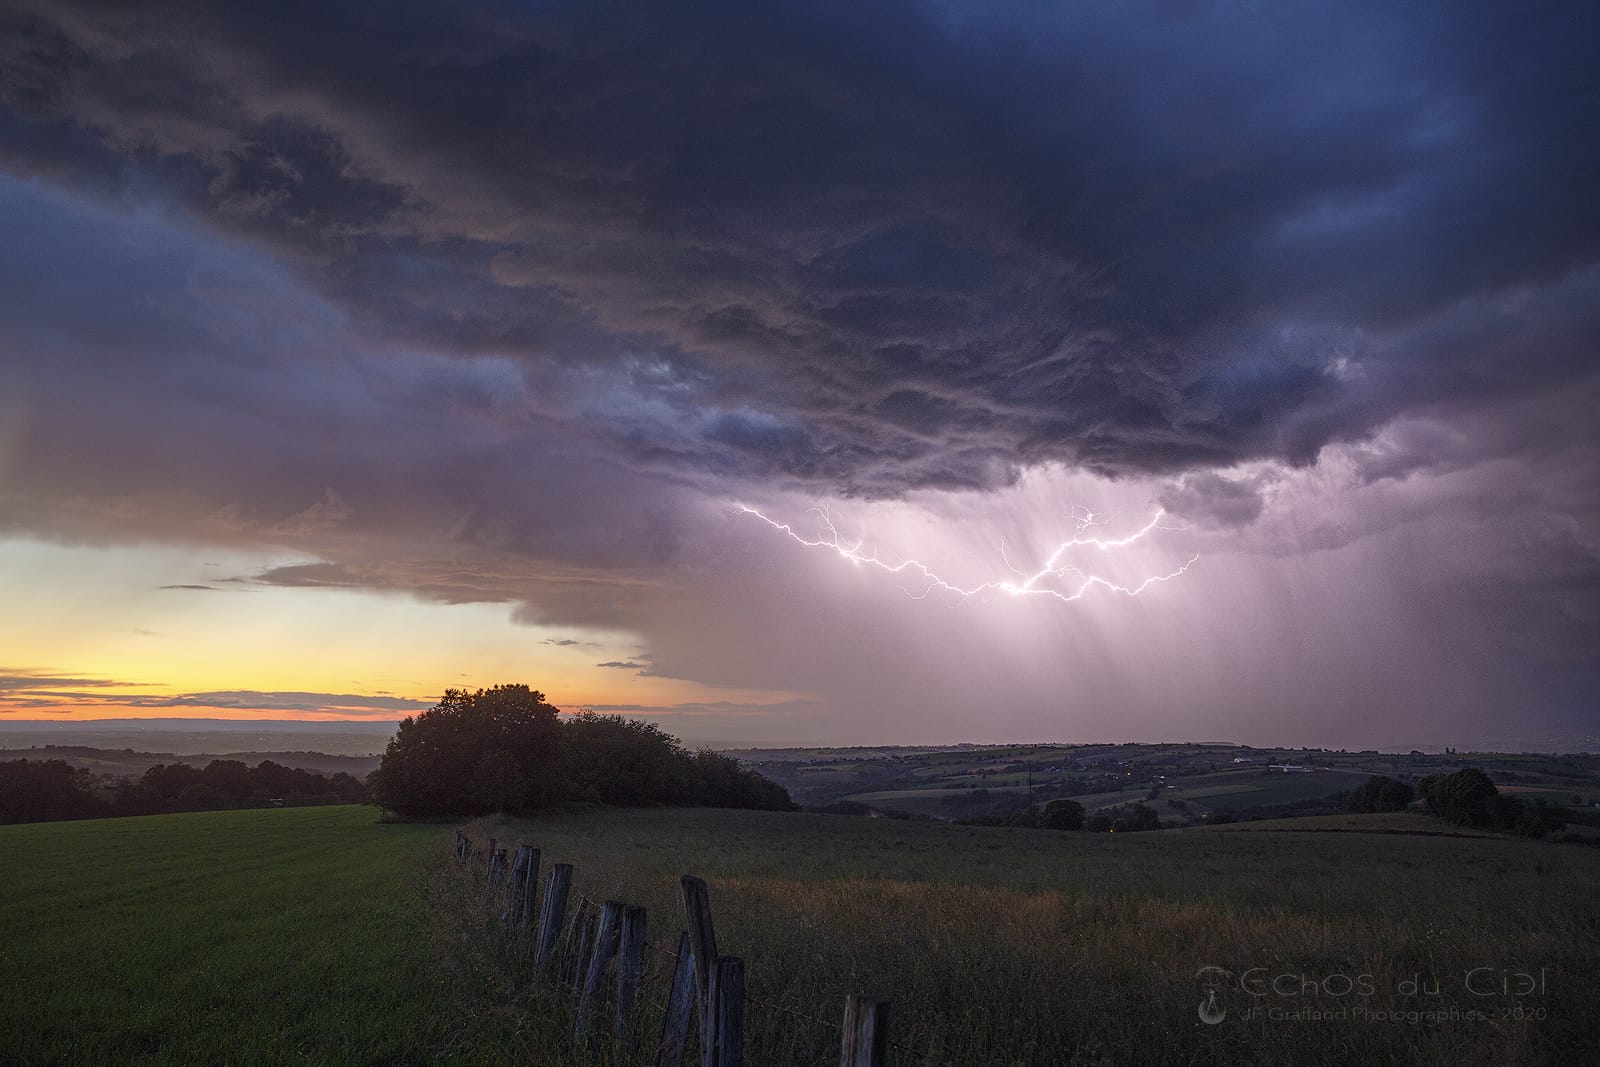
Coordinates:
317 936
1003 946
242 937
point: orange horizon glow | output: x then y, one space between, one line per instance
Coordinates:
150 632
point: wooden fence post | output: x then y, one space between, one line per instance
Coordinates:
552 915
605 950
514 884
680 1008
725 1019
630 972
582 931
866 1032
702 943
523 913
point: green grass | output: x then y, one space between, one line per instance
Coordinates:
1009 946
319 936
245 937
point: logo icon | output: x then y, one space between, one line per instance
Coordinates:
1212 979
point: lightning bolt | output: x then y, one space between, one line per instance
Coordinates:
1039 583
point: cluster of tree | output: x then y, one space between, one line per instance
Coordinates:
507 749
46 791
49 790
1380 793
1134 818
1056 815
1469 798
227 783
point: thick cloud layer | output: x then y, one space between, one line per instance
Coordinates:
503 302
874 248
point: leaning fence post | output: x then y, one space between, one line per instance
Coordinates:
703 945
725 1022
680 1006
499 867
866 1032
552 914
582 934
513 903
523 913
605 950
630 971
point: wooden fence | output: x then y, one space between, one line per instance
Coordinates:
593 955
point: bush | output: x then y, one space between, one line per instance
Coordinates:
1465 798
1380 793
613 760
1062 815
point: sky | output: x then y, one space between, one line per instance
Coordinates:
822 373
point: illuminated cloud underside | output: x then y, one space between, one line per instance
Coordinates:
372 352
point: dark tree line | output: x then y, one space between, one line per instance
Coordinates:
1056 815
1380 793
47 791
1469 798
51 790
227 783
506 749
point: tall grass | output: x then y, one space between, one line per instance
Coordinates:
1006 946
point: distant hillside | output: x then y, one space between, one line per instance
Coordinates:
192 738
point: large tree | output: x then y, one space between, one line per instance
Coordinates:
495 749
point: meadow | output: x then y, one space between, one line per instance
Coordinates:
322 936
296 935
1017 946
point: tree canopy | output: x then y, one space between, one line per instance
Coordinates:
1380 793
493 750
507 749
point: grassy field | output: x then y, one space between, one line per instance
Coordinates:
318 936
1388 822
247 937
1010 946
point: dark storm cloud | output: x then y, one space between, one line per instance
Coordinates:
488 303
197 391
1214 501
870 248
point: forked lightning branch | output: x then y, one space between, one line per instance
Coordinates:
1063 575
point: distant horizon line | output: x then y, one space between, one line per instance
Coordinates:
164 723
